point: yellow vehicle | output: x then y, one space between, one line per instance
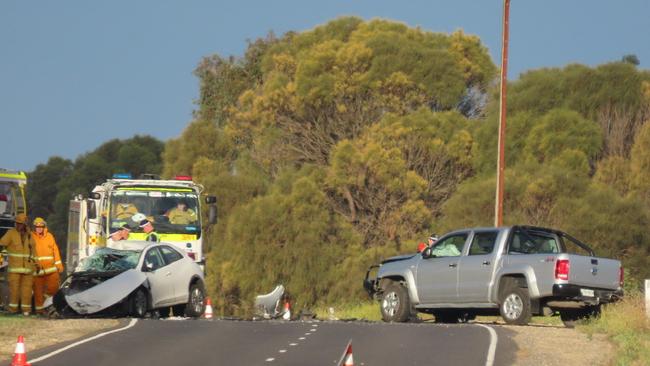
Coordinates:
125 201
12 203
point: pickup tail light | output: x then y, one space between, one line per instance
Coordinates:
562 269
192 255
621 276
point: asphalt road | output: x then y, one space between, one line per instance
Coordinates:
222 342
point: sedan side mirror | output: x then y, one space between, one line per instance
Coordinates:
148 267
427 253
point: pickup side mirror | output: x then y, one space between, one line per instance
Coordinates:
427 253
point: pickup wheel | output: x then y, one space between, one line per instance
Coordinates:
514 304
395 304
571 317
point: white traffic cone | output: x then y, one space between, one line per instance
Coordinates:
287 311
208 309
347 359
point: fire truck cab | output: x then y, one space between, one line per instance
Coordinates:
172 206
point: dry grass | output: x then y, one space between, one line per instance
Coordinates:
626 325
39 332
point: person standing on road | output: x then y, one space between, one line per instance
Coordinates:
148 228
430 241
122 233
48 264
21 265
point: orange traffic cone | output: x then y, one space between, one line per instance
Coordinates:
347 359
208 309
20 357
287 311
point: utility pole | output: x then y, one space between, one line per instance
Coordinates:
501 161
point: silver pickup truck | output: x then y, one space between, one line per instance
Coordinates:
516 271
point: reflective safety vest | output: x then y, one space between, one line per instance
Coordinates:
124 212
19 251
180 217
46 254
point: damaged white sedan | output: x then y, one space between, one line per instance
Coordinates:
133 280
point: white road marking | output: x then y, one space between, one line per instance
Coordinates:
53 353
307 333
312 330
282 351
302 338
293 344
493 345
270 359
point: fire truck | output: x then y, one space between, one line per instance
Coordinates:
12 197
12 203
119 201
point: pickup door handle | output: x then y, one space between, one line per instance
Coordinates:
453 265
486 263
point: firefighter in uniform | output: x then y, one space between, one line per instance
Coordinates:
181 214
48 264
21 265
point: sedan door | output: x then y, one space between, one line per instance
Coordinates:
437 276
179 277
475 271
159 276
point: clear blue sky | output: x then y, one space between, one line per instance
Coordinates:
74 74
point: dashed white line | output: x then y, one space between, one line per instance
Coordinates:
282 351
312 330
307 333
293 344
270 359
53 353
302 338
493 345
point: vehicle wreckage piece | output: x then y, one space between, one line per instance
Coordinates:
268 306
107 293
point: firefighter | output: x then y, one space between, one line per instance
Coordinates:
48 264
181 214
21 265
124 211
148 228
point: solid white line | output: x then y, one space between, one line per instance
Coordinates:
53 353
493 345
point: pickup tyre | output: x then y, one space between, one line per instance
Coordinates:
570 317
395 303
514 303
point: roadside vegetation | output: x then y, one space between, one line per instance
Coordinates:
333 148
627 327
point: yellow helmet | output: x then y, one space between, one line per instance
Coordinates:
39 222
21 218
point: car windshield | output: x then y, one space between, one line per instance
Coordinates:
170 212
110 260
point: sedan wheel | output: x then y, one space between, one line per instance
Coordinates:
139 303
196 302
